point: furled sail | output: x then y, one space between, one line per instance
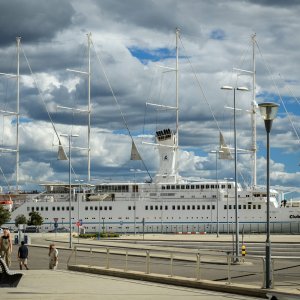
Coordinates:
224 152
135 155
61 155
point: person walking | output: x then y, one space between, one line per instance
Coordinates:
53 257
6 246
23 255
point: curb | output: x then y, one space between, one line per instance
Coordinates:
178 281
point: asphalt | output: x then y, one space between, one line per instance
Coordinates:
93 282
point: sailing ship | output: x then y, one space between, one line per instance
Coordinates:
166 204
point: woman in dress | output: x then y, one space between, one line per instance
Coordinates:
6 246
53 257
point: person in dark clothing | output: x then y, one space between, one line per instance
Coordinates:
23 255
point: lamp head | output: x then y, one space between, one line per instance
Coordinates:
268 110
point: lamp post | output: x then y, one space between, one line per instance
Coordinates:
70 136
227 203
235 168
217 184
268 111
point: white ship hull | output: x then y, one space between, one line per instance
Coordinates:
168 208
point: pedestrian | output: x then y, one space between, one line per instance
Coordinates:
23 255
6 246
53 257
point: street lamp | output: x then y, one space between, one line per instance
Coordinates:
235 168
217 152
227 203
70 136
268 111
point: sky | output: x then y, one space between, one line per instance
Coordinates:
131 41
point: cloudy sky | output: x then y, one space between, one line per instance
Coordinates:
130 41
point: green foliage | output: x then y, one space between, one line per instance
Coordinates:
95 235
4 215
35 219
20 219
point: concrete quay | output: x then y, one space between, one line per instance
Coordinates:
91 281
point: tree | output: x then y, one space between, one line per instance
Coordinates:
4 215
35 219
20 219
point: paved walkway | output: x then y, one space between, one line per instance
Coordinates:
72 285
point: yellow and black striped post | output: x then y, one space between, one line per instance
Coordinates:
243 252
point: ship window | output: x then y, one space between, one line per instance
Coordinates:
244 206
151 207
110 208
146 207
208 206
100 207
105 207
188 207
229 186
183 207
254 206
202 186
225 206
58 208
177 187
67 207
193 207
163 187
230 206
197 186
213 207
182 187
259 206
173 187
207 186
247 196
166 207
129 207
37 209
168 187
72 208
192 187
53 208
28 208
223 186
198 207
249 206
96 207
240 206
42 208
156 207
161 207
187 187
86 208
234 206
63 208
173 207
91 207
203 206
178 207
46 208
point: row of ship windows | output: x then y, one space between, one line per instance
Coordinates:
195 187
150 207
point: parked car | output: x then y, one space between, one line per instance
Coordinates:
31 229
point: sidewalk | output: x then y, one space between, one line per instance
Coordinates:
65 285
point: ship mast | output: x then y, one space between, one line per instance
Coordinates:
253 114
89 107
177 100
18 39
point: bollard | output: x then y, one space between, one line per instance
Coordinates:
75 255
243 252
147 262
91 253
263 273
171 265
198 275
126 261
107 258
229 267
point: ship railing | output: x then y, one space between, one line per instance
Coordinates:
220 267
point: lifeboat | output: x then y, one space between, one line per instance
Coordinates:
7 204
